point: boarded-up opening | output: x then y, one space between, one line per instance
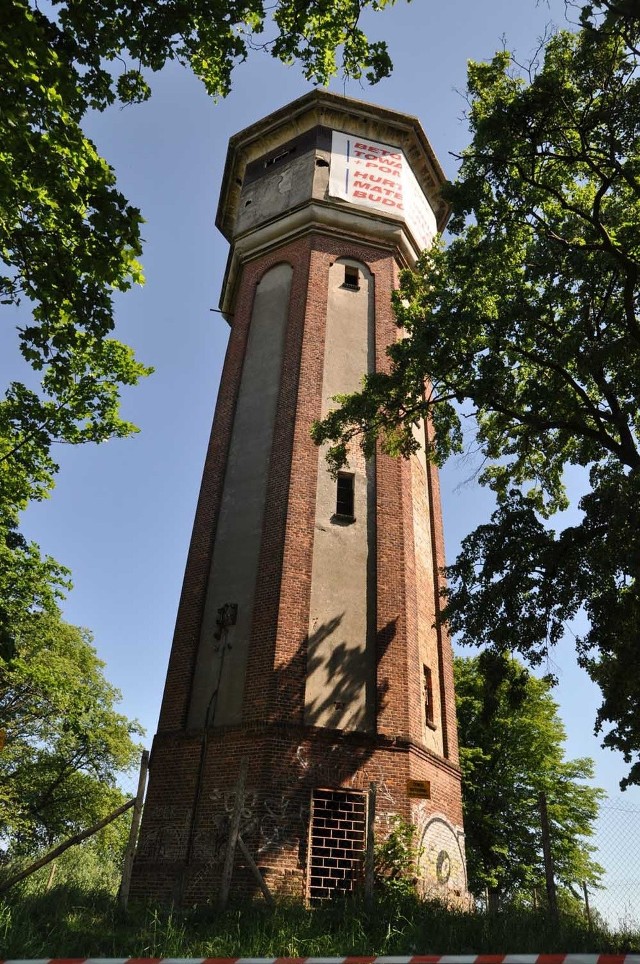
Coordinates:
337 841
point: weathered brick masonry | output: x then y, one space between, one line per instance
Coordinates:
236 694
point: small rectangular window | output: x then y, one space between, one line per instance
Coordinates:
345 495
351 278
277 158
427 692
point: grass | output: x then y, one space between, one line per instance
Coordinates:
77 916
74 921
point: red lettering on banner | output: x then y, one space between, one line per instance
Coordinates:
367 179
379 151
378 189
389 167
395 202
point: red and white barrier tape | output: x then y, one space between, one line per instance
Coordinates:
414 959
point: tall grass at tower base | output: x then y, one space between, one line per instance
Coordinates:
78 916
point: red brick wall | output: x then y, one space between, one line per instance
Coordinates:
193 775
284 765
445 653
262 680
191 607
293 617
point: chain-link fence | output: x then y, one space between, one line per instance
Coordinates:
618 840
615 900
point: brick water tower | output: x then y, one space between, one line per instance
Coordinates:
306 652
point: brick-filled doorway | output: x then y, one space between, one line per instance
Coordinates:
337 836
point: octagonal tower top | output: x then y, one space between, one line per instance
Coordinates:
330 163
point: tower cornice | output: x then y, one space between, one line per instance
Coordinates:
321 108
329 218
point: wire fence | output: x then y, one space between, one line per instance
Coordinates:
617 837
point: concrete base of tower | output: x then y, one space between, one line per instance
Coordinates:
303 814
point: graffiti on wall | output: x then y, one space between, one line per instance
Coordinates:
279 821
275 821
441 848
337 772
167 841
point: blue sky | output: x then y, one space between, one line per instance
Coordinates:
121 514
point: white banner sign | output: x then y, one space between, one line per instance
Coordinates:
378 176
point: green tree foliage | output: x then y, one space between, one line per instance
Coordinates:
512 749
528 320
28 583
65 741
68 240
397 859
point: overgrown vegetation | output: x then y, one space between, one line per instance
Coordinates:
74 913
81 919
66 742
512 749
397 859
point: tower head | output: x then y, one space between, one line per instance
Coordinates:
329 162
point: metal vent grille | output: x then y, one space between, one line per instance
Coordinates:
337 841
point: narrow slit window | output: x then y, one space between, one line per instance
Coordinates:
427 691
277 158
351 278
345 495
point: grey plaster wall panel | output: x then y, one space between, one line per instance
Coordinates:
340 687
284 184
425 608
221 667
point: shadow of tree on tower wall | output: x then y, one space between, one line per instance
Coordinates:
288 757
